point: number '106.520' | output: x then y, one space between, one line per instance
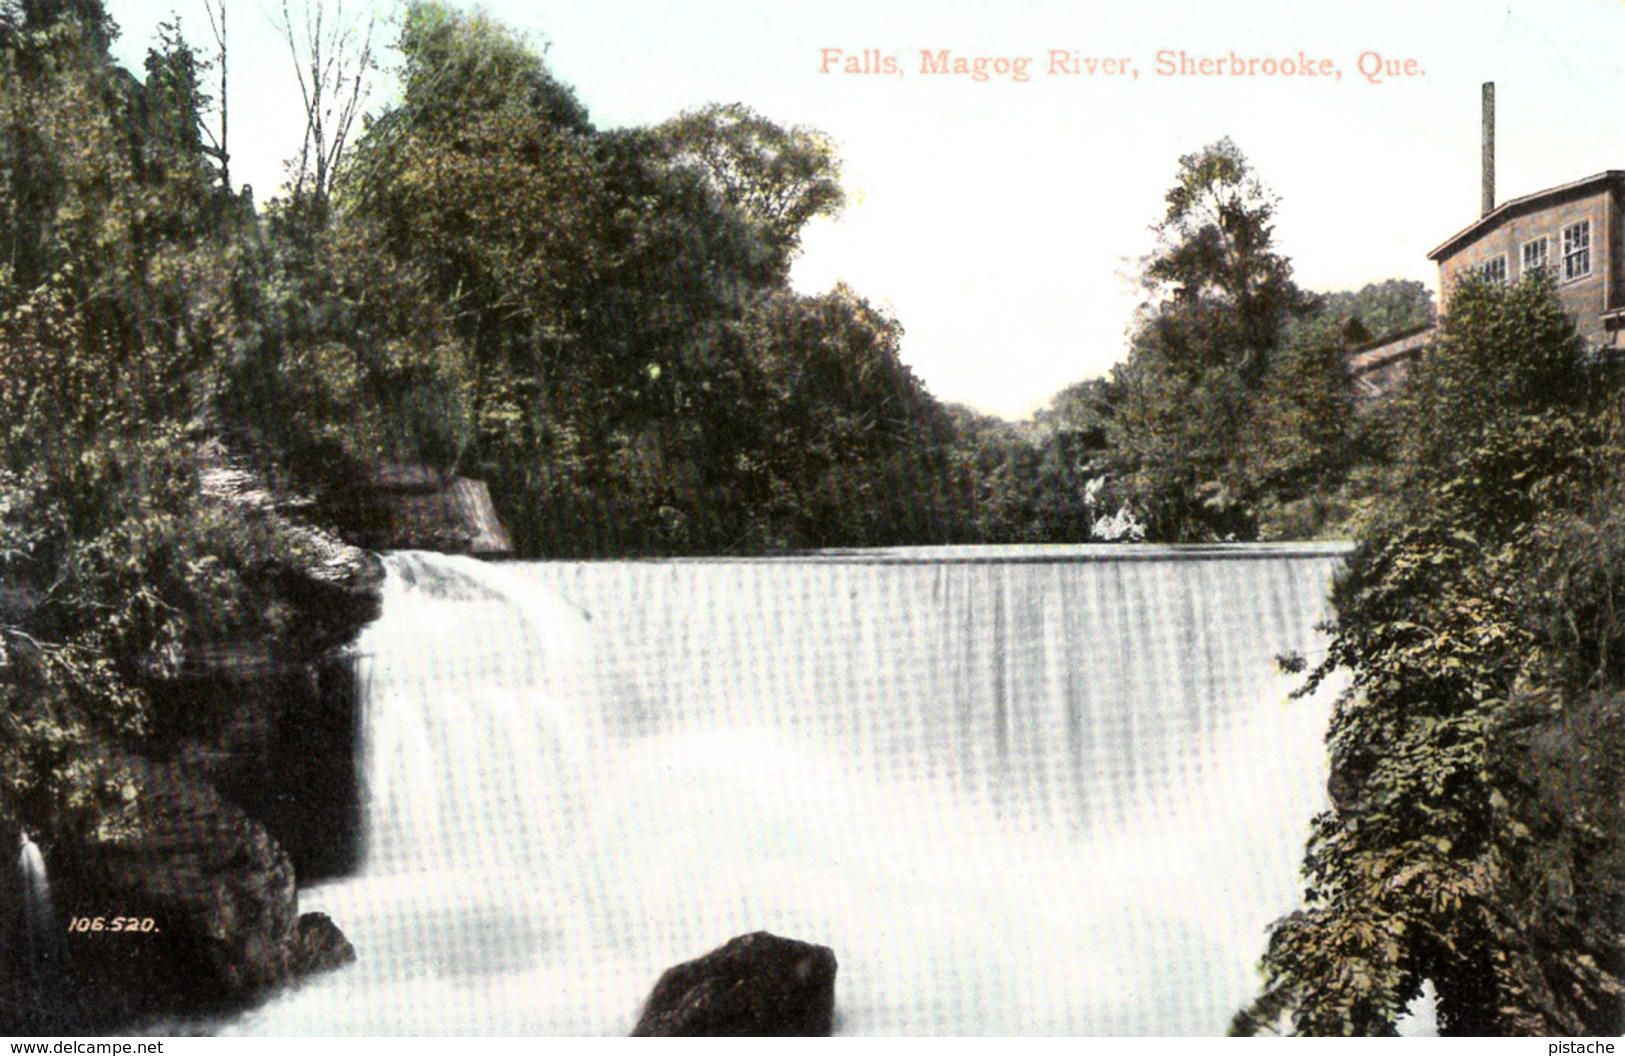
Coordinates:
112 924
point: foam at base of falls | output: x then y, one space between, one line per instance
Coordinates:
1057 798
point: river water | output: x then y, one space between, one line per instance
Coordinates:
1017 790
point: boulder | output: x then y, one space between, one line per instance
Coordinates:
320 946
415 507
198 905
757 985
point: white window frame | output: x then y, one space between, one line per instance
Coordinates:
1492 269
1577 250
1543 259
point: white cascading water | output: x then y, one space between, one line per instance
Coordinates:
38 913
1018 792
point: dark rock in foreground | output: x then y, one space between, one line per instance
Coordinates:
198 906
756 985
204 899
244 779
320 946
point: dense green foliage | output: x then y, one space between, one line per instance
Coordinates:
1232 413
1029 482
1378 311
113 233
1476 754
1202 351
641 376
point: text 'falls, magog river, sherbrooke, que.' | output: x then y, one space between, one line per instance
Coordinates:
1016 791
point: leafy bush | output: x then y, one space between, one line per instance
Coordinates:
1476 619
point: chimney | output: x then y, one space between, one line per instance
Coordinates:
1488 201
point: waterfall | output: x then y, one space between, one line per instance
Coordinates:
1017 791
44 944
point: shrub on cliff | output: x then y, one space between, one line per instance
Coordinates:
1477 619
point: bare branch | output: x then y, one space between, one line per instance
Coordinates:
219 146
333 61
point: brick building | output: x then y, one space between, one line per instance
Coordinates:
1576 231
1573 231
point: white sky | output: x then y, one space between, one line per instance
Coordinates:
1002 222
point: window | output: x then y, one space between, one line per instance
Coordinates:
1534 255
1493 270
1577 250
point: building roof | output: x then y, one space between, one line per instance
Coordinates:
1529 203
1379 355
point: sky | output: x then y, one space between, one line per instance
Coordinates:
1003 221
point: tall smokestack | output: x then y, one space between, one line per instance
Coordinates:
1489 149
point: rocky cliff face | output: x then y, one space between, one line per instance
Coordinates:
248 792
414 507
272 726
198 911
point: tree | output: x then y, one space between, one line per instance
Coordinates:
1472 618
333 63
219 145
1378 310
841 443
111 563
484 180
1301 441
1215 256
192 200
778 178
1082 413
1219 297
337 356
1505 353
1173 438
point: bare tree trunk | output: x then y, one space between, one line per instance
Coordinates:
331 63
221 150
